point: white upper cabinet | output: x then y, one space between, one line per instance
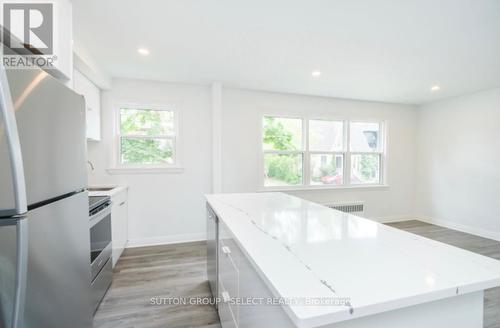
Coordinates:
92 94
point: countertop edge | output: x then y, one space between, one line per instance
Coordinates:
116 190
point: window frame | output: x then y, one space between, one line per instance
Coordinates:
148 168
346 153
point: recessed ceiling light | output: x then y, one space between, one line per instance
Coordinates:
316 73
435 88
143 51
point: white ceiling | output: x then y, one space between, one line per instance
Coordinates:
385 50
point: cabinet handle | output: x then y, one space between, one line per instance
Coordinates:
226 250
122 203
225 297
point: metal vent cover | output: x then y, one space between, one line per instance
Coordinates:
348 208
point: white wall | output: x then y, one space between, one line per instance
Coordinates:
170 207
459 163
441 164
162 207
241 146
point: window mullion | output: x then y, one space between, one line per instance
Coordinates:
347 153
326 152
131 136
367 153
283 152
306 158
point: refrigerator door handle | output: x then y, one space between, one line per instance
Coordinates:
12 138
21 272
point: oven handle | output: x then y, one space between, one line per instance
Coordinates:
96 218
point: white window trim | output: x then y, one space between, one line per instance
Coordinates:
306 174
119 168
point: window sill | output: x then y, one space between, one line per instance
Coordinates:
145 170
329 188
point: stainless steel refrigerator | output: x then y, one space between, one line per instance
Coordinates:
44 225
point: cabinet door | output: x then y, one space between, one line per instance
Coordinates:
238 278
92 95
119 219
228 277
226 315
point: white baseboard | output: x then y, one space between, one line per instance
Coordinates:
461 227
165 240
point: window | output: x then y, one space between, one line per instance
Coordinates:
321 152
283 151
326 146
365 152
147 137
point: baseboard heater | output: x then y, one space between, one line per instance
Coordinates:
356 208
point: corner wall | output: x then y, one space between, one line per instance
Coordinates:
163 207
458 172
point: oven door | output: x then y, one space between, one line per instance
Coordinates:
100 240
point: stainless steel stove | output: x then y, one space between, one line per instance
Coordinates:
100 247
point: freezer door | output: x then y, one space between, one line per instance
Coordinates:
58 282
12 185
51 126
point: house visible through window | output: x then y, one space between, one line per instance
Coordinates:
320 152
326 152
366 152
147 137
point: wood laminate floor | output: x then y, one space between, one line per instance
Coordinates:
180 271
161 271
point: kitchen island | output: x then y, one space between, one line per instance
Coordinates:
286 262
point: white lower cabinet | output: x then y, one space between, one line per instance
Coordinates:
226 314
239 282
119 223
228 281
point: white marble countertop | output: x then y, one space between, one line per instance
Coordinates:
302 249
116 189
